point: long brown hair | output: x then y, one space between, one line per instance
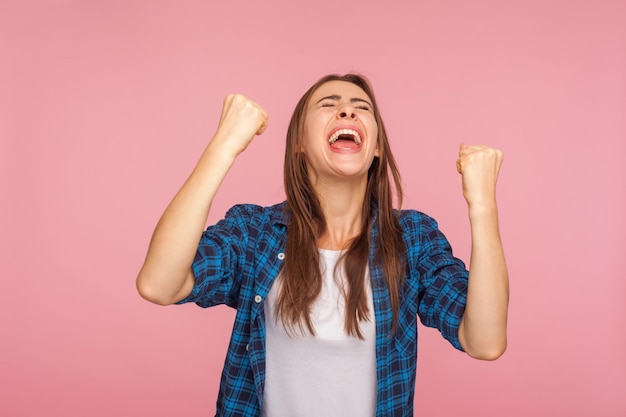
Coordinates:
302 279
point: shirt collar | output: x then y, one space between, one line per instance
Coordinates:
279 214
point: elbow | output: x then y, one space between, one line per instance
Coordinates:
486 342
488 353
149 292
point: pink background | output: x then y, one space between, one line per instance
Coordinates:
106 105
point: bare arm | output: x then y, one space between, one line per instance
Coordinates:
482 332
166 276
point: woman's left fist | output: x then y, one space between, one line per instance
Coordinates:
479 166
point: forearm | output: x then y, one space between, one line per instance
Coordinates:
483 327
166 270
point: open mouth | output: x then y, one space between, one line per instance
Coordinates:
348 136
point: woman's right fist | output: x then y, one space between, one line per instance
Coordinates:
241 120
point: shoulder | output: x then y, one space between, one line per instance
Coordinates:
421 234
420 231
413 220
254 213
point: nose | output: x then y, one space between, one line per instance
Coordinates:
346 112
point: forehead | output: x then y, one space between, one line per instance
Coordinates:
344 89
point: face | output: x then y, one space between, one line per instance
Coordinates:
340 132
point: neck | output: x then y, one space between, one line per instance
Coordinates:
342 204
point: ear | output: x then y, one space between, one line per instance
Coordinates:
377 152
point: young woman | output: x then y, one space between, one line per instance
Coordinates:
329 284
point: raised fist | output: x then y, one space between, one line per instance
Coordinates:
241 120
479 166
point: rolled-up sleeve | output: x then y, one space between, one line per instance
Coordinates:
443 278
220 260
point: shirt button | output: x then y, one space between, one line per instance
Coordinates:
247 348
258 298
281 256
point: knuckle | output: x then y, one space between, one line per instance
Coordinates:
240 98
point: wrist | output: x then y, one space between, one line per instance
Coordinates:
482 210
221 151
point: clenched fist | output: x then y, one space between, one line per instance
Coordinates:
241 120
479 167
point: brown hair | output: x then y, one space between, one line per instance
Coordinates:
302 280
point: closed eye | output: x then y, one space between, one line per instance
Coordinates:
360 107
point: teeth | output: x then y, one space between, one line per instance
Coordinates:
355 135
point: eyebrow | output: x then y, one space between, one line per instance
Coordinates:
337 97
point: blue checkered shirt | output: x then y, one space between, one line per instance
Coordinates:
239 258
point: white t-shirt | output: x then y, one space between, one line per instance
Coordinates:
329 374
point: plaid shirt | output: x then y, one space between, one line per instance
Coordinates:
239 258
